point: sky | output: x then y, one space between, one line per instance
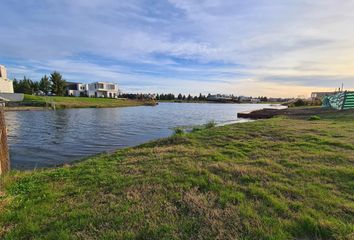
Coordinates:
279 48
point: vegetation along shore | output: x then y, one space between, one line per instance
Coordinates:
282 178
32 102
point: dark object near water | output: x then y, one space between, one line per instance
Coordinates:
261 114
306 112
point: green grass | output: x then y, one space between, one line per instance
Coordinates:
270 179
314 118
84 102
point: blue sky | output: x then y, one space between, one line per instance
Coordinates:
254 47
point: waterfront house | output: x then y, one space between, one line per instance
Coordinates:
244 99
103 89
6 85
96 89
7 89
219 97
76 89
255 100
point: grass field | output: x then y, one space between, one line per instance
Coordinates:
280 178
84 102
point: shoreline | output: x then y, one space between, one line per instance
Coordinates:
24 108
42 106
267 113
35 103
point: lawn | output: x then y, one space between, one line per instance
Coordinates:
82 102
282 178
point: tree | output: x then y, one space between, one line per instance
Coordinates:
45 84
34 87
16 85
189 98
58 83
25 86
179 97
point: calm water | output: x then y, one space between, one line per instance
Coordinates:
48 138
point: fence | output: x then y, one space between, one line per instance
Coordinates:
340 101
4 151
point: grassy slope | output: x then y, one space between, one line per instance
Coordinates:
77 102
270 179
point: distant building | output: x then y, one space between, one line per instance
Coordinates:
320 95
255 100
219 97
6 85
96 89
244 99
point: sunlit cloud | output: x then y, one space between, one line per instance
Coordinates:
254 47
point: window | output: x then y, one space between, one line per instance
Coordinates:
111 86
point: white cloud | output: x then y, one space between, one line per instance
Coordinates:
254 42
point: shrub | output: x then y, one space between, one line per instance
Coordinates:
299 103
179 131
196 129
314 118
210 124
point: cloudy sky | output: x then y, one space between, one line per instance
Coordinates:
245 47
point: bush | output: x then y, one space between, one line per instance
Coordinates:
299 103
314 118
179 131
196 129
210 124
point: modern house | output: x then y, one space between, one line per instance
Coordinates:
219 98
76 89
244 99
7 89
96 89
6 85
255 100
103 89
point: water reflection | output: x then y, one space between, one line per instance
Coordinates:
49 138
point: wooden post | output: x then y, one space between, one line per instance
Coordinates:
4 150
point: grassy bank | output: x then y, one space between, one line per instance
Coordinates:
280 178
83 102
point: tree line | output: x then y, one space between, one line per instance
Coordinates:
54 84
178 97
181 97
168 96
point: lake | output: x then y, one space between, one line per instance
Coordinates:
49 138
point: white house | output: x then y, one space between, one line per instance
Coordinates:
255 100
103 89
76 89
96 89
6 85
219 97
